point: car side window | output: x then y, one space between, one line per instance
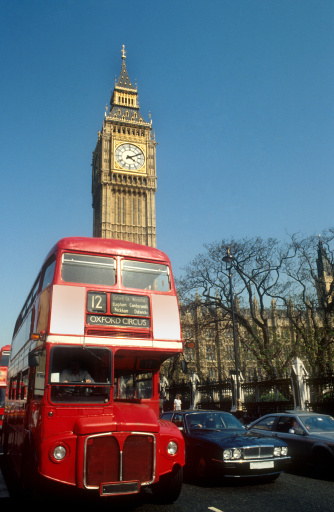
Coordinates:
178 420
167 416
285 423
266 423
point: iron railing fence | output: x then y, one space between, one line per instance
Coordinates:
258 397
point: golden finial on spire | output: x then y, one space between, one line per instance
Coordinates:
123 52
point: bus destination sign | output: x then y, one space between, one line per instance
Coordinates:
131 305
118 321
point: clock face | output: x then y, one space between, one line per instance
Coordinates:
129 157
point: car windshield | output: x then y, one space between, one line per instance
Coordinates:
213 421
318 423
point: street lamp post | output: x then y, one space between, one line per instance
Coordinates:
228 259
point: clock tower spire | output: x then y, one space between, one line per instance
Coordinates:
124 169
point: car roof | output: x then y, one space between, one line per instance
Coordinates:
292 413
301 413
197 411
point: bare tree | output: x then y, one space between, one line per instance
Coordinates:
257 272
308 294
298 275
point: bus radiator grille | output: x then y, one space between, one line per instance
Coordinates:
103 459
138 455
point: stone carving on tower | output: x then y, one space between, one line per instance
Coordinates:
124 169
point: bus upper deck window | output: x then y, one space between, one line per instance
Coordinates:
86 269
47 276
145 276
4 359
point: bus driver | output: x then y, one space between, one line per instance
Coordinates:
75 373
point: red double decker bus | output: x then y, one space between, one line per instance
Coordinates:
83 378
4 359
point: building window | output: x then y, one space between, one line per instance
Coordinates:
189 355
121 210
230 352
135 211
210 353
212 374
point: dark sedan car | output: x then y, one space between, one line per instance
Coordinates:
310 436
218 444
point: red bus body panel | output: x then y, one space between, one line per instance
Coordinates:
5 351
113 447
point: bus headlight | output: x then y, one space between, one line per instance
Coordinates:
172 448
59 452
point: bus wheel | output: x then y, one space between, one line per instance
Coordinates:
4 439
29 476
168 489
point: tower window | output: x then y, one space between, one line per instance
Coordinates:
121 210
136 211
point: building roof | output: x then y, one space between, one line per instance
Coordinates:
124 79
129 110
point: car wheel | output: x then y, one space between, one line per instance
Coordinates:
201 470
323 463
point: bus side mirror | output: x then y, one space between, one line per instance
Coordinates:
33 359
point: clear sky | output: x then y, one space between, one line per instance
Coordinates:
242 102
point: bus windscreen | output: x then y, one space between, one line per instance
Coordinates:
80 375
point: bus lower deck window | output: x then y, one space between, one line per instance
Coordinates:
80 374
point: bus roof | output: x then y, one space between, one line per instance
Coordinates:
110 247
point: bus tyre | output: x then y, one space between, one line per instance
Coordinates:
4 439
168 489
29 476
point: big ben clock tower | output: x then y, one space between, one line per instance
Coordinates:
124 169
